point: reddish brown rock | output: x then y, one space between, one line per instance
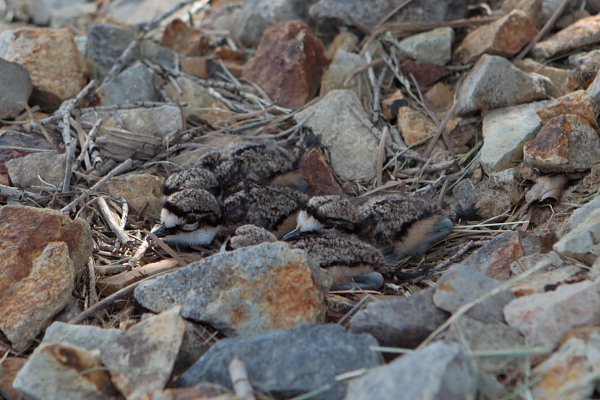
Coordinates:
567 143
8 371
426 74
57 68
318 174
439 98
504 37
533 9
582 76
577 103
584 32
557 83
288 64
414 125
41 252
183 39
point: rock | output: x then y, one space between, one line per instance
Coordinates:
586 67
494 82
567 143
352 147
105 44
557 82
403 322
433 47
571 368
369 13
16 87
504 37
85 336
258 15
8 371
43 275
505 131
582 213
244 292
37 169
594 91
554 273
494 259
288 64
499 194
141 359
346 41
439 98
60 371
289 362
201 104
59 14
425 74
58 71
581 243
439 371
550 6
201 391
577 103
343 67
414 125
584 32
184 39
545 317
479 336
533 9
135 84
319 176
461 285
143 193
140 11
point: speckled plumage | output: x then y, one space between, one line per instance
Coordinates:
194 206
250 235
333 211
190 178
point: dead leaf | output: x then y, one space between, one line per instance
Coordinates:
546 187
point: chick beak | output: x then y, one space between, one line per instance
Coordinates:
295 234
161 231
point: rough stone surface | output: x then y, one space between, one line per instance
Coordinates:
133 85
85 336
8 371
576 103
105 44
258 15
584 32
425 74
567 143
288 64
439 371
494 82
343 66
15 86
37 272
503 37
244 292
557 82
141 359
403 322
594 91
58 71
289 362
481 337
545 317
414 126
434 47
60 371
460 285
571 369
505 131
582 213
499 194
533 9
352 147
143 192
37 169
581 243
494 259
138 11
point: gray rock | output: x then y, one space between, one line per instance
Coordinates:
505 131
582 243
439 371
581 214
487 337
15 86
545 317
135 84
136 12
289 362
352 147
85 336
594 91
244 292
159 55
404 322
105 44
342 67
60 371
499 194
433 47
37 169
461 285
258 15
369 13
494 82
579 34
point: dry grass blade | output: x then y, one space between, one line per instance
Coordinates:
239 379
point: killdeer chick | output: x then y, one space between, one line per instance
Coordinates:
271 207
190 217
402 226
351 262
191 178
323 213
249 235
